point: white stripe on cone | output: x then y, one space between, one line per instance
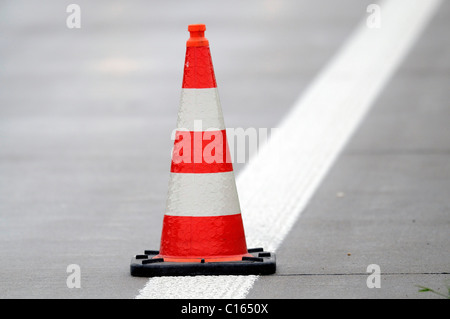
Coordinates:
200 110
213 194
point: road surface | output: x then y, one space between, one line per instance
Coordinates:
85 122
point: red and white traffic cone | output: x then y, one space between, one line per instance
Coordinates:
203 232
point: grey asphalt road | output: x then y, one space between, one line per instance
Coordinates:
85 122
386 199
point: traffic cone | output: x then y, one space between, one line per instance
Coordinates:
203 232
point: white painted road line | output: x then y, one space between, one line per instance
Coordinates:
277 184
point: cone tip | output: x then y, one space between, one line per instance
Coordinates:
197 36
196 27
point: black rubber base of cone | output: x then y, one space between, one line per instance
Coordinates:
145 265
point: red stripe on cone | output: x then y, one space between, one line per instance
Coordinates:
198 69
203 237
201 152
